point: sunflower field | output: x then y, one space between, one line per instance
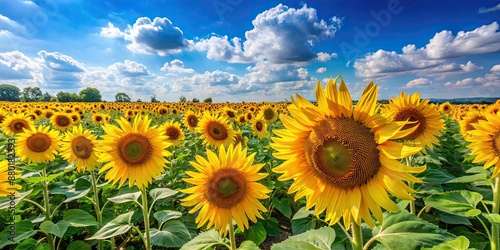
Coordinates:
329 174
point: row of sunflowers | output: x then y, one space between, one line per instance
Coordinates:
333 174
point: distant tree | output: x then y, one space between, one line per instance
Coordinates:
68 97
31 94
75 97
90 94
139 100
153 99
122 97
9 93
209 99
196 100
46 97
182 99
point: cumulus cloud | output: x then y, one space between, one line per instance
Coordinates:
281 35
324 57
486 10
419 82
495 68
434 57
130 68
17 67
6 24
159 36
321 70
60 71
176 66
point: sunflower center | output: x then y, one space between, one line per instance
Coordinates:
134 149
172 133
412 115
259 126
268 114
226 188
62 121
193 121
38 143
342 152
496 143
98 118
2 117
82 147
230 113
217 131
17 126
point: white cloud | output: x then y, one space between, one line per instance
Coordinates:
176 66
19 70
495 68
324 57
6 24
60 71
419 82
486 10
281 35
159 36
130 68
433 58
321 70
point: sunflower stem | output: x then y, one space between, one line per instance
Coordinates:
45 190
96 206
232 237
357 238
495 237
145 212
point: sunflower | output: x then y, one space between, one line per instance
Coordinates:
226 188
229 113
485 142
14 124
79 146
7 174
62 121
3 115
471 117
344 160
191 120
135 152
173 132
270 113
215 130
38 144
259 126
446 108
98 118
242 119
240 139
428 122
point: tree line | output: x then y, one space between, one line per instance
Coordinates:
34 94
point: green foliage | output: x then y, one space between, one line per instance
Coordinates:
90 94
122 97
31 94
9 93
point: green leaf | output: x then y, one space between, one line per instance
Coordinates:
165 215
79 218
492 218
313 239
461 203
460 243
73 194
117 226
78 245
453 219
161 193
302 213
248 245
174 234
6 202
283 206
125 197
470 178
82 184
24 230
405 229
301 221
39 179
30 244
57 229
256 233
204 241
272 226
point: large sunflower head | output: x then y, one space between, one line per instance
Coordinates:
62 121
191 120
215 130
229 113
485 142
173 132
471 117
259 126
226 188
15 123
344 160
269 113
8 174
424 117
79 146
134 152
38 144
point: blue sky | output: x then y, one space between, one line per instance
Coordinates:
234 50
